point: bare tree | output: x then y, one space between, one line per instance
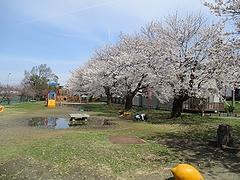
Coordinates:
36 80
8 92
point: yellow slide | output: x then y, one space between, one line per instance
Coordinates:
51 103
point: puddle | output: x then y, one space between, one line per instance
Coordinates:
50 123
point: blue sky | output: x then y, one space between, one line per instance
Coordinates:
64 33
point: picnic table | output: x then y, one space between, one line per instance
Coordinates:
78 116
78 119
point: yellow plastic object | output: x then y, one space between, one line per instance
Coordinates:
1 108
186 172
51 103
124 114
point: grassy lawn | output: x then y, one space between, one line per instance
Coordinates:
237 106
24 107
86 147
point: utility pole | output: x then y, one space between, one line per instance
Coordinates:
233 100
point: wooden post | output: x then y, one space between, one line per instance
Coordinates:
233 100
224 135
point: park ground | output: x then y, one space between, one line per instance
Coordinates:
84 152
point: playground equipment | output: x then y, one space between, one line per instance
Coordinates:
53 95
84 98
51 103
186 172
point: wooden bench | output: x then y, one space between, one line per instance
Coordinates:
78 119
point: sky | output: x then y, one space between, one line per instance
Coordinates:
64 33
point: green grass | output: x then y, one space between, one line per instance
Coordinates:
89 148
236 109
92 150
24 107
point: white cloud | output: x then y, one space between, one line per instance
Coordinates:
81 15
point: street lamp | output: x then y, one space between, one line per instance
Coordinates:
8 78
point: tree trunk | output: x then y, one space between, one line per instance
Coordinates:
177 106
109 99
109 95
158 105
128 103
9 101
224 135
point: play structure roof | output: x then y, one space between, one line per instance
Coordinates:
52 84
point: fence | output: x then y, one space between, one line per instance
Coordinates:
13 101
190 105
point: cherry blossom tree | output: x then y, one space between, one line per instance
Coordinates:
104 68
76 84
96 75
125 69
133 73
190 56
228 8
176 58
117 70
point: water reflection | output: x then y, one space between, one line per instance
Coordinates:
51 123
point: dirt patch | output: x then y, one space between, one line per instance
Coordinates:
126 140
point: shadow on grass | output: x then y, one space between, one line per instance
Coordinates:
189 142
164 118
209 160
